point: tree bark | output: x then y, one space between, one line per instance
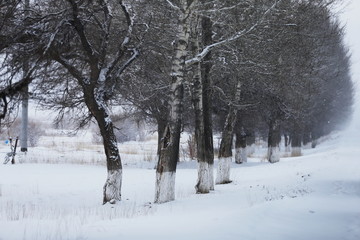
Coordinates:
296 139
240 146
274 138
225 151
202 105
203 134
96 105
287 142
250 143
206 66
306 138
169 153
161 125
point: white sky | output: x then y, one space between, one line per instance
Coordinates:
350 16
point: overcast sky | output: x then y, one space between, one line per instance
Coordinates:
350 16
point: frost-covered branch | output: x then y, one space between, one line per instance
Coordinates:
130 24
106 29
122 48
236 36
172 5
52 36
128 62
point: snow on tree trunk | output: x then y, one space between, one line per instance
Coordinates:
161 125
250 143
203 184
287 143
165 187
273 142
225 151
240 155
94 99
296 144
240 147
112 187
211 176
203 122
169 153
223 170
206 66
203 181
314 143
273 154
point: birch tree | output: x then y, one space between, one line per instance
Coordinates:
169 153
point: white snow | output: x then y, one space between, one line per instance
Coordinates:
314 196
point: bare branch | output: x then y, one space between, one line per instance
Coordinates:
79 27
71 69
236 36
173 5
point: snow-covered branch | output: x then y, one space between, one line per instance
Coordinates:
122 48
172 5
135 54
129 21
106 29
236 36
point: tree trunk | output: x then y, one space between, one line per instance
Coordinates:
250 142
287 142
166 167
314 139
225 151
161 125
296 143
274 138
206 66
203 134
306 138
169 153
97 106
202 106
240 147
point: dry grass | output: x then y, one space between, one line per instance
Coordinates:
129 150
296 154
285 155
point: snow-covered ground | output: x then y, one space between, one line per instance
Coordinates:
315 196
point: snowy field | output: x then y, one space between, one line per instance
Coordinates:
315 196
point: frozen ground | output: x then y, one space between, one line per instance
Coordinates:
316 196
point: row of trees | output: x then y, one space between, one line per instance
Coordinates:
241 68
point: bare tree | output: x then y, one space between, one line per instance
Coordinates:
87 46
